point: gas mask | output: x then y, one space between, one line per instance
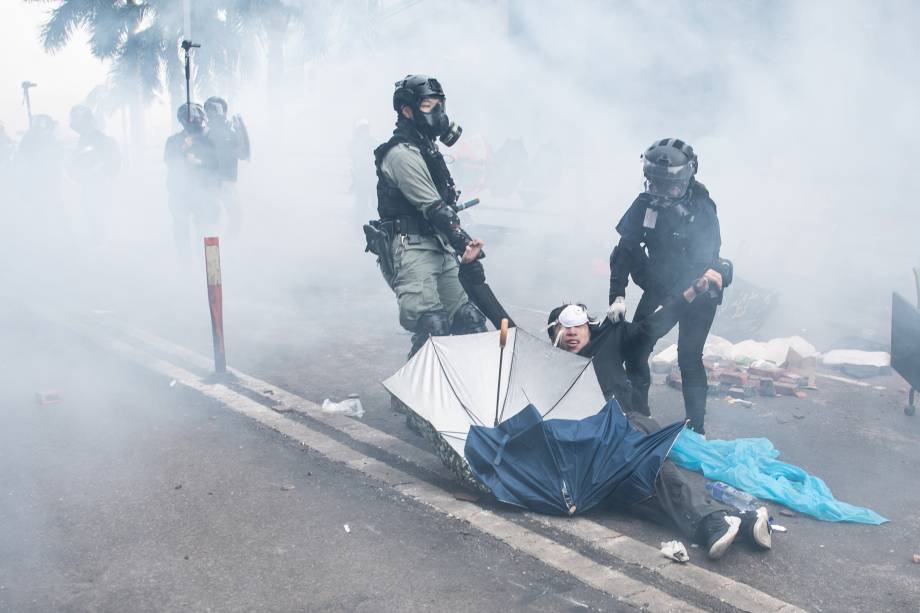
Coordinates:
667 188
665 199
193 120
436 124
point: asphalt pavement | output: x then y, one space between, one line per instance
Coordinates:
854 437
93 518
131 494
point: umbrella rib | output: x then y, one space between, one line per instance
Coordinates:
451 385
501 415
452 434
565 393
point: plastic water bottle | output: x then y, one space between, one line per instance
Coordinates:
726 494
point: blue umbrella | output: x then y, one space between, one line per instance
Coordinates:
568 466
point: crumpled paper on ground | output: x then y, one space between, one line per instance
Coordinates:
676 551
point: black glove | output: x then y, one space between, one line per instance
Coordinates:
472 273
444 218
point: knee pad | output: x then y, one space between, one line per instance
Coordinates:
432 323
467 320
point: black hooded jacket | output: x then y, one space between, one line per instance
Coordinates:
611 344
665 250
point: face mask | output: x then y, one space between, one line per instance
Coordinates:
436 124
215 114
673 190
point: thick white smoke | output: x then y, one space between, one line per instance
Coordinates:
803 115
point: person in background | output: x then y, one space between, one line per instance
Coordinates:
231 140
94 166
192 179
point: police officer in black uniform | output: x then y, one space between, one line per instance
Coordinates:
668 238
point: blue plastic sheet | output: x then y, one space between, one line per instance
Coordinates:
750 464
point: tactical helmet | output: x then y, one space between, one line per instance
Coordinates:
410 92
43 123
192 119
81 118
669 165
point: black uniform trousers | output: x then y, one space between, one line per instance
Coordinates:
693 328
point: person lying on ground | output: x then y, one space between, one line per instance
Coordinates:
678 500
612 343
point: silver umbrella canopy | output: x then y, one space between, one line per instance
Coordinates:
450 384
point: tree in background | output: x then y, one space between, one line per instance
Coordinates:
141 40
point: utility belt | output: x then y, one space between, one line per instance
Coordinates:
380 235
414 228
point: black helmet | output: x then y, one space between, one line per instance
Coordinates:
81 118
413 88
669 165
215 104
192 119
410 92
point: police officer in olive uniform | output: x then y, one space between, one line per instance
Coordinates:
668 238
415 200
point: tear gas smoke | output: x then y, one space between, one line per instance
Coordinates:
802 115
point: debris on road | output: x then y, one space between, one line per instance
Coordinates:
916 558
778 528
172 383
47 397
731 496
676 551
663 362
466 496
786 512
287 488
744 403
178 487
351 406
781 367
856 363
347 529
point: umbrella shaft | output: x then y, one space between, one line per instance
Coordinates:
498 391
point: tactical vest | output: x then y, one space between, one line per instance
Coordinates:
391 203
680 245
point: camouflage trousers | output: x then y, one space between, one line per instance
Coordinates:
426 281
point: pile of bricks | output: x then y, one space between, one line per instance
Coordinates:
742 382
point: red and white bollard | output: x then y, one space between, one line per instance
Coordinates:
215 301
